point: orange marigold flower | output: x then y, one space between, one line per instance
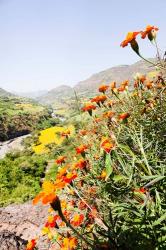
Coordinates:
69 177
49 198
81 149
125 83
47 195
102 98
61 172
109 114
107 145
82 205
59 183
31 244
111 103
89 107
67 214
113 85
66 133
83 132
99 99
149 84
80 164
103 88
140 190
63 204
121 88
150 31
77 220
60 159
140 78
95 99
97 120
69 243
124 116
52 221
103 174
38 198
130 38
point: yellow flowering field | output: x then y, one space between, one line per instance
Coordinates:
51 135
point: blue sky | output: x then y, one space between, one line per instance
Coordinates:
46 43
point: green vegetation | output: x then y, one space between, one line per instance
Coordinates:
20 175
20 116
21 172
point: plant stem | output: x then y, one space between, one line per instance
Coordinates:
155 65
140 142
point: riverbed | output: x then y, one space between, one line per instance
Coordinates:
11 145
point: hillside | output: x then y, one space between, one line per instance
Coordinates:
56 94
117 73
89 86
4 93
19 116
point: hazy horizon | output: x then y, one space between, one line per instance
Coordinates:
45 44
58 85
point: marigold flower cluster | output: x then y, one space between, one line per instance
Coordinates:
94 176
150 32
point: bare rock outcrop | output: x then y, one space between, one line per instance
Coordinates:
18 223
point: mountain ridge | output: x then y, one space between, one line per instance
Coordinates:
4 93
90 85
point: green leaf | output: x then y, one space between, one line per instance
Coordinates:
127 150
151 183
163 228
117 178
108 165
151 177
162 218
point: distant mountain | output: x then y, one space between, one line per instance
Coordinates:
33 94
118 74
90 85
56 94
4 93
